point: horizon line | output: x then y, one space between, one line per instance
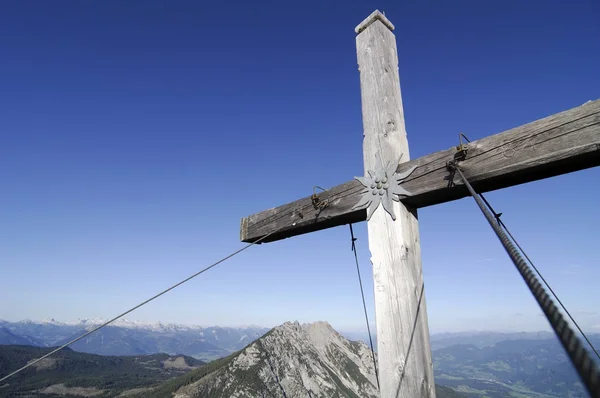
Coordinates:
99 320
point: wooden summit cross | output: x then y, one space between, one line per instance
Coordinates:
558 144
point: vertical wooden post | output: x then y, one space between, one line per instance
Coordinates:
405 365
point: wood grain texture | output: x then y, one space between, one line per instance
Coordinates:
404 353
562 143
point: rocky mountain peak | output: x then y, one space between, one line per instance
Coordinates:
292 360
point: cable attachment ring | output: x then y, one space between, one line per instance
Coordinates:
317 203
461 149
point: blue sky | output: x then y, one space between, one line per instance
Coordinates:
135 135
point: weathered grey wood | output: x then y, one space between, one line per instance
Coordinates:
558 144
404 354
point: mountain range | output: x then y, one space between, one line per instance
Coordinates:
291 360
132 338
475 363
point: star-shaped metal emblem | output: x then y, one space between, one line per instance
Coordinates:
382 186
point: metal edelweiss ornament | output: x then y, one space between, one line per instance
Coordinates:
382 186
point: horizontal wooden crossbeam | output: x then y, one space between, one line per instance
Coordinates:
558 144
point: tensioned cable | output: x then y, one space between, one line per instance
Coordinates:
362 293
585 366
143 303
497 217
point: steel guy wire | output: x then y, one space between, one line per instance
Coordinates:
143 303
585 366
364 303
537 271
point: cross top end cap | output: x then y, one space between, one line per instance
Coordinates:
375 16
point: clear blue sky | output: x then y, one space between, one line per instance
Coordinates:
135 135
